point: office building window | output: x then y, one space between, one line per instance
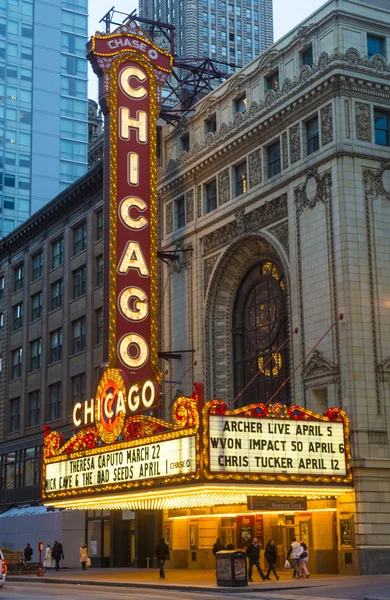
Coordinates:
375 45
35 355
382 127
79 281
79 238
210 125
16 363
210 196
57 294
55 346
240 104
273 153
36 306
272 81
313 135
54 405
180 212
99 270
34 408
78 335
78 388
185 142
2 287
307 56
99 225
14 414
99 325
240 173
37 265
18 277
57 252
17 316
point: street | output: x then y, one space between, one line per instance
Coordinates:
346 588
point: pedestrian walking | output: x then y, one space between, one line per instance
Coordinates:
253 553
48 558
304 557
28 552
271 556
218 546
162 553
58 554
83 556
295 552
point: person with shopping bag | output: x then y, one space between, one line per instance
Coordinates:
295 552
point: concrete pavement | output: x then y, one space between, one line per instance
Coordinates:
318 587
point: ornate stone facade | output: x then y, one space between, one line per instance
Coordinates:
326 124
190 205
255 174
223 187
168 218
295 143
363 121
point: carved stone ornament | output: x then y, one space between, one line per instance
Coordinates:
317 188
199 201
185 257
190 205
363 121
326 124
285 150
223 187
295 143
255 176
280 231
377 182
378 437
258 109
168 218
256 219
208 267
319 369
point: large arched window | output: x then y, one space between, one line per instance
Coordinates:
259 328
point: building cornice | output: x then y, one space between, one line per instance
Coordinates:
91 182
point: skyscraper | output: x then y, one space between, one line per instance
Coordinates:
43 103
232 31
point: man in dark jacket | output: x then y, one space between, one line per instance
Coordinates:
162 553
28 552
218 546
57 553
253 553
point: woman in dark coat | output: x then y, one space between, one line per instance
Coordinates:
271 556
162 553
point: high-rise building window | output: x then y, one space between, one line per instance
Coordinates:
382 127
210 125
18 277
16 363
17 316
273 153
313 135
78 335
34 408
99 224
79 238
210 196
57 294
2 287
240 172
14 413
78 388
185 142
240 104
272 81
307 56
55 346
180 212
35 355
54 405
99 325
79 281
375 45
99 270
36 306
37 265
57 252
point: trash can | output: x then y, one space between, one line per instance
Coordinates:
231 568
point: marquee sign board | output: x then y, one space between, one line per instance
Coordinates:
276 443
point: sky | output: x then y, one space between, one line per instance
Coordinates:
287 14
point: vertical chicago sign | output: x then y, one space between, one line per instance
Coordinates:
131 71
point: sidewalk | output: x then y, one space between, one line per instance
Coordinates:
205 581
